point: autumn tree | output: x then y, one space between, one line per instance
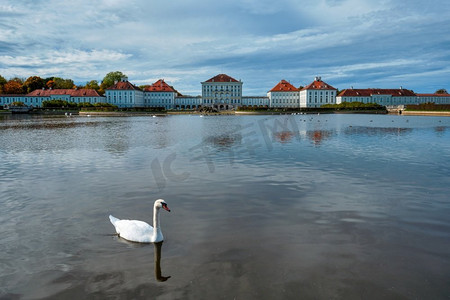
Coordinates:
441 91
13 87
34 83
50 83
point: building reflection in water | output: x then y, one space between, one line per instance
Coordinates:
318 136
284 136
158 274
224 141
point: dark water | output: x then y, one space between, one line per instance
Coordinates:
263 207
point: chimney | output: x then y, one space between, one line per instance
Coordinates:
401 87
115 81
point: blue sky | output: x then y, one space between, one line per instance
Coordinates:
359 43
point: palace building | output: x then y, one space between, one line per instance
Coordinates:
125 94
317 94
160 94
223 92
36 97
385 97
284 95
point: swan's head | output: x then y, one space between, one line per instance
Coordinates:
160 203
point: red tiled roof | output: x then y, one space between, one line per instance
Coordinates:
124 85
370 92
160 86
433 95
284 86
318 84
71 92
222 78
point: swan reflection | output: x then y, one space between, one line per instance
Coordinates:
157 256
158 274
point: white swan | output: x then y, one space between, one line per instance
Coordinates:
139 231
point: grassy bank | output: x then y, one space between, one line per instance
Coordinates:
428 107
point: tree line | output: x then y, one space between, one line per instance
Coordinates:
17 85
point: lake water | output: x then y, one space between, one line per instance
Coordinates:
263 207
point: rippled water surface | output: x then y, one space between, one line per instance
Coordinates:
263 207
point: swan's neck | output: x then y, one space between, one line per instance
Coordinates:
157 233
155 219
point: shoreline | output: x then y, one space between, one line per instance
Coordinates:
426 113
119 113
161 114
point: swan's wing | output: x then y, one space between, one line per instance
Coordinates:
134 230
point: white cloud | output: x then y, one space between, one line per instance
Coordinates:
258 41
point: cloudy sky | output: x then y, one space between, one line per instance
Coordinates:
359 43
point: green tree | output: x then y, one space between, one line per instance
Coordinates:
93 84
110 78
441 91
60 83
2 81
17 79
34 83
13 87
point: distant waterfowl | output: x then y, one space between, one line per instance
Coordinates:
139 231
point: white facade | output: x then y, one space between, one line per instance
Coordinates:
125 94
434 98
159 99
317 98
160 94
222 92
37 97
259 101
6 100
188 102
284 95
284 99
317 93
386 97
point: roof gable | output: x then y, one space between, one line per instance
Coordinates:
69 92
124 85
160 86
371 92
284 86
222 78
433 95
318 84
